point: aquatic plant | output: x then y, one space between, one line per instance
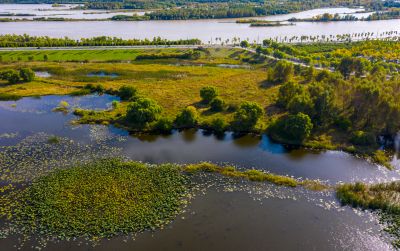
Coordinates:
53 140
384 197
101 199
252 174
62 107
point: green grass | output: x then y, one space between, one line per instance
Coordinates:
70 55
102 55
101 199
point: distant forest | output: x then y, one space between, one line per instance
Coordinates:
148 4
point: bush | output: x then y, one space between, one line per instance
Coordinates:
142 111
11 76
187 118
26 74
163 125
95 88
362 138
115 104
247 116
217 105
208 93
218 125
294 128
127 92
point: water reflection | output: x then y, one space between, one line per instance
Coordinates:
31 115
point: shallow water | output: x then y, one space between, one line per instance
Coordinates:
102 74
224 214
42 74
205 30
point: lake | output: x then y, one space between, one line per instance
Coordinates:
206 30
65 11
226 214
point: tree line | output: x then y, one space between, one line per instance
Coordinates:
45 41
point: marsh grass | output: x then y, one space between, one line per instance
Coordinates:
9 97
384 197
253 175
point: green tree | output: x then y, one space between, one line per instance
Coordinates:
26 74
322 96
217 104
142 111
282 72
244 44
345 66
247 116
208 93
294 128
187 118
301 103
287 92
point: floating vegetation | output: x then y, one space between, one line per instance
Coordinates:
34 156
53 140
100 199
62 107
8 135
254 175
384 197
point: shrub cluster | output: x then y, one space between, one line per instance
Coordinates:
24 75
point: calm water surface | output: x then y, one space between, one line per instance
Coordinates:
47 10
206 30
228 215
